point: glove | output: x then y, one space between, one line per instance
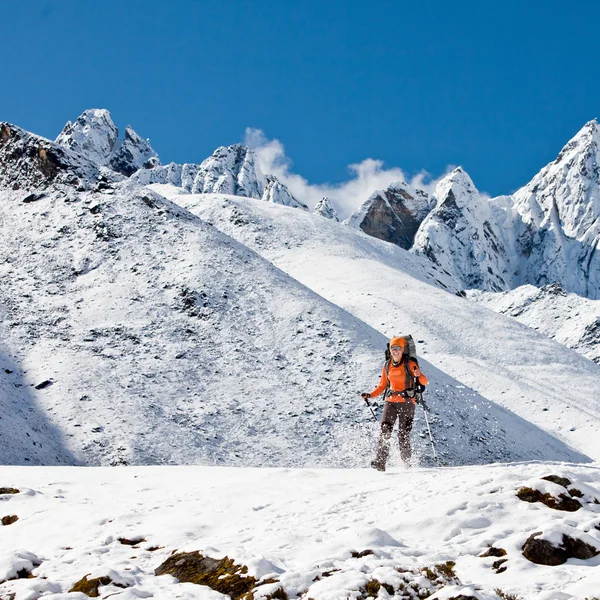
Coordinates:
420 400
419 388
365 395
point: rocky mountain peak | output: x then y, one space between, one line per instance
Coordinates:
393 214
28 161
462 236
325 209
278 193
231 170
565 195
133 153
458 186
95 137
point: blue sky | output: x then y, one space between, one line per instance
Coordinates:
497 87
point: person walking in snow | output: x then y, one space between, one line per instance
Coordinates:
401 378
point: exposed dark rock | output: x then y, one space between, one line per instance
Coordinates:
33 197
44 384
563 502
90 587
558 480
9 490
28 161
542 552
576 548
371 589
491 551
9 519
221 575
127 542
497 565
356 554
393 215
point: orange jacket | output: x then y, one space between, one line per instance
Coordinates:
398 380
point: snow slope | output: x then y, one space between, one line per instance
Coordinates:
321 534
392 291
565 317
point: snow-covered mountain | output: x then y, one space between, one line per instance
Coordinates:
546 232
460 235
95 137
393 215
325 209
560 213
141 334
565 317
229 170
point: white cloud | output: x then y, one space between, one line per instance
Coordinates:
365 177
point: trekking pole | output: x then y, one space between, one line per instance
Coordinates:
422 403
372 412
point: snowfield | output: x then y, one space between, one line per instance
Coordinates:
324 534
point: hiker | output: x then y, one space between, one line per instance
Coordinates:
400 379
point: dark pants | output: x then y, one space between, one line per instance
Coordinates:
405 413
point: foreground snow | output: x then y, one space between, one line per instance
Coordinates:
295 526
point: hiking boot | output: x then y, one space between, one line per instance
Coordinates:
377 465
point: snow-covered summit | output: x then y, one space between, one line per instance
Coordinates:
566 193
278 193
559 211
393 214
95 137
231 170
460 234
325 209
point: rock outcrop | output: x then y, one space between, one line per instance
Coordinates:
393 215
28 161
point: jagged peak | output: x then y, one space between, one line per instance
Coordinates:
458 182
91 117
586 140
325 209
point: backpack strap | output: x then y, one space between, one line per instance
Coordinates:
410 379
387 376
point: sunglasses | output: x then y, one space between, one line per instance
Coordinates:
396 348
